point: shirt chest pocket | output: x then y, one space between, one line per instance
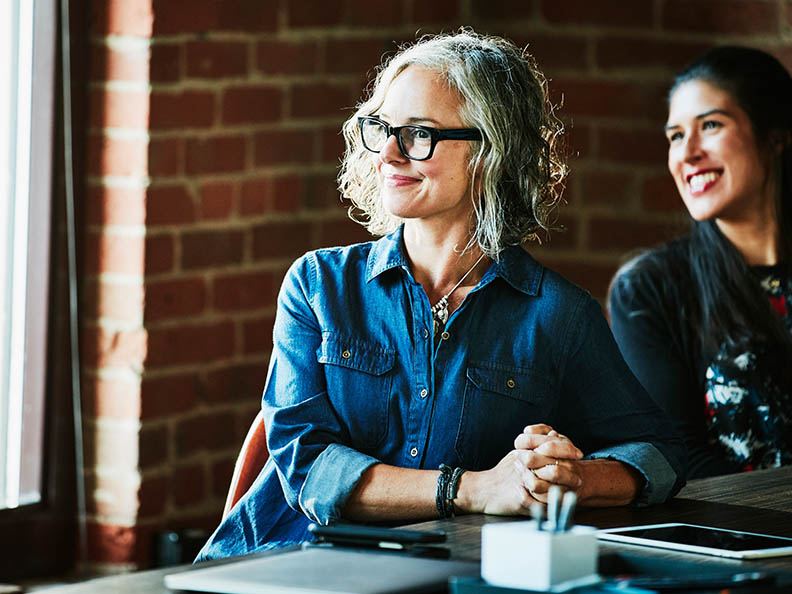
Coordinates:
359 376
499 401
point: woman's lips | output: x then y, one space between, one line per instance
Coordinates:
396 181
703 181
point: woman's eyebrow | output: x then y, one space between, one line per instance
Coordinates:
701 116
413 120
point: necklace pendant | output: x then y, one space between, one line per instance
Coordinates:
439 315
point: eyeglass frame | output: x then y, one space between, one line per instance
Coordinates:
436 135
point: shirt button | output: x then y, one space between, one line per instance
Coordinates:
414 452
510 383
445 335
346 354
426 333
424 393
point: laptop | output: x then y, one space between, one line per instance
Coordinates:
323 571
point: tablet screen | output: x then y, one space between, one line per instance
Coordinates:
688 537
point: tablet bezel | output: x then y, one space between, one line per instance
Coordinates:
612 535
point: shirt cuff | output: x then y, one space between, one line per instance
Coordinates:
658 474
332 477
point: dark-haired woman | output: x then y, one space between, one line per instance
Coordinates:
705 321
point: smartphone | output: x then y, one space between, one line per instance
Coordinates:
364 535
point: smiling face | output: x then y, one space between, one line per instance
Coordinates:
437 188
713 155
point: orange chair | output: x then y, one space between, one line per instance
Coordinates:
249 463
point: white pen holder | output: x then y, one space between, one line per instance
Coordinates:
517 555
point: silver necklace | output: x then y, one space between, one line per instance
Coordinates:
440 309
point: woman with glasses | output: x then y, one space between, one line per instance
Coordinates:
705 321
440 369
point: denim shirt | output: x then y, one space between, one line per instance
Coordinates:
356 378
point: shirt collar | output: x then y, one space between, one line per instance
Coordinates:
516 266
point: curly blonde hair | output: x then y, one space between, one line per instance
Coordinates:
519 167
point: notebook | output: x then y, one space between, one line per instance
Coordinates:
323 571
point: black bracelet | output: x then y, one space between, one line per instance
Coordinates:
447 485
442 485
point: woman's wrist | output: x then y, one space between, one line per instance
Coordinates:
466 501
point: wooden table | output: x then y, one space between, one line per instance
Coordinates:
757 502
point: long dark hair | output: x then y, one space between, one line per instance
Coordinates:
732 308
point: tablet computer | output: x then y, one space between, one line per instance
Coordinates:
701 539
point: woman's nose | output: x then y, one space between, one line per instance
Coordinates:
390 151
692 150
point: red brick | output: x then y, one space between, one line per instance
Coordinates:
153 447
111 398
175 298
288 192
320 192
254 105
108 543
184 344
214 16
712 16
154 494
121 302
597 97
257 335
183 109
115 206
256 197
341 232
216 154
167 62
168 205
189 485
103 348
159 254
281 240
436 11
577 140
313 14
567 237
211 431
320 99
284 146
237 383
217 200
202 249
607 233
660 194
113 447
364 13
332 145
222 471
286 57
355 56
507 10
129 65
614 188
634 146
630 52
553 51
111 253
122 17
607 14
111 496
595 278
216 59
121 157
167 396
251 290
166 157
119 109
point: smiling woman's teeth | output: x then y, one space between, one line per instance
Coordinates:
697 182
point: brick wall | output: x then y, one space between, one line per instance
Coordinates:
213 141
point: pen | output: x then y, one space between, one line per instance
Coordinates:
553 501
537 513
567 511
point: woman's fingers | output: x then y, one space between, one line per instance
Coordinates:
551 446
539 472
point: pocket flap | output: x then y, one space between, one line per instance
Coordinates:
361 355
511 382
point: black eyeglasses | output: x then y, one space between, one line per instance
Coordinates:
415 142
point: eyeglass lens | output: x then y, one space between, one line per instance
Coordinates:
414 141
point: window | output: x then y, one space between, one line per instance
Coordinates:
26 110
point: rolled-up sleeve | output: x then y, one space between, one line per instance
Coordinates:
608 413
305 436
